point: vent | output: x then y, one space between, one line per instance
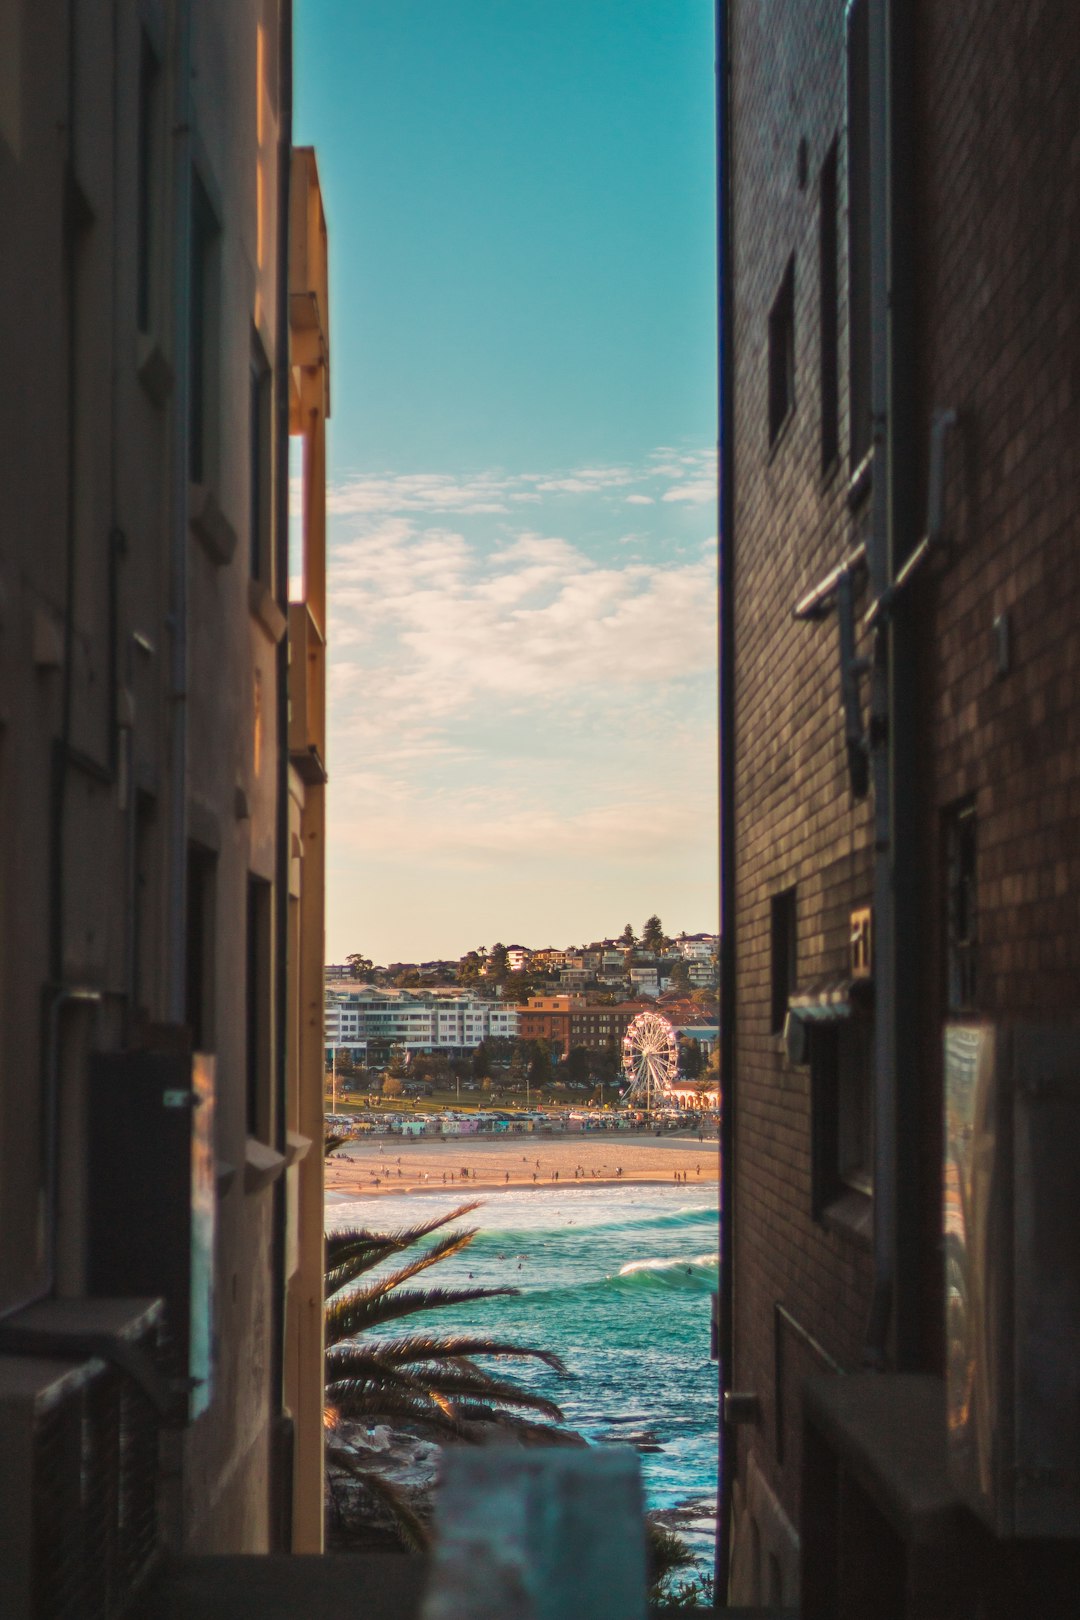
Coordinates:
79 1502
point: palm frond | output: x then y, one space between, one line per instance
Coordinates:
409 1526
452 1347
354 1250
350 1314
358 1379
371 1399
470 1383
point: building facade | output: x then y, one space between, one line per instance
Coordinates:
160 872
567 1021
369 1022
899 736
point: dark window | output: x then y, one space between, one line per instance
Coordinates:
260 449
860 352
842 1109
259 1009
782 353
201 883
783 955
962 917
150 183
828 314
205 335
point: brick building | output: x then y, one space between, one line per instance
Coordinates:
901 759
569 1020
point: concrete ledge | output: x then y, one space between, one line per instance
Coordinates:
889 1432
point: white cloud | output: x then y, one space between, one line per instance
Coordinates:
441 625
496 493
513 705
698 492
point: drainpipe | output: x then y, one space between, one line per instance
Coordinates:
178 512
725 1347
877 1334
903 531
284 1482
893 1331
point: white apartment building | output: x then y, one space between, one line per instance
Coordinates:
358 1019
697 947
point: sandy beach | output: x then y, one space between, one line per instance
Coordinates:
371 1169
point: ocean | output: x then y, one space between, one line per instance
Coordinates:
617 1280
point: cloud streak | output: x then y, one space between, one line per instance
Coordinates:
666 475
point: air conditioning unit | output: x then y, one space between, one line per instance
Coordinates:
1012 1274
152 1198
79 1438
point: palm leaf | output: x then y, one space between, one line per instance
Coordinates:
410 1528
423 1347
355 1250
470 1383
350 1314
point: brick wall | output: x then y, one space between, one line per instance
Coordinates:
797 823
997 251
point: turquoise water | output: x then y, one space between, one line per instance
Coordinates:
617 1280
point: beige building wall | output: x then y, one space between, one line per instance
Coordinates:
309 409
156 847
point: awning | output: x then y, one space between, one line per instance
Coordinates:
824 1003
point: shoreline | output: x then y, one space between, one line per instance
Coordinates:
418 1166
398 1189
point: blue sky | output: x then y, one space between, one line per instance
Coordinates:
520 197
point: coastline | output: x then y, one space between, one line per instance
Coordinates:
413 1166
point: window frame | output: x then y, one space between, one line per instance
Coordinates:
781 354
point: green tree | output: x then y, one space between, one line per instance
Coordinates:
471 966
540 1063
578 1065
393 1085
652 935
679 977
628 938
481 1062
691 1061
496 964
418 1375
359 966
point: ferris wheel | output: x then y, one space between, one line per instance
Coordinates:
650 1059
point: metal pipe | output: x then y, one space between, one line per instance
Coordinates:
726 1136
910 1165
180 452
885 1011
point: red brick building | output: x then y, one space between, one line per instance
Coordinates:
901 746
568 1021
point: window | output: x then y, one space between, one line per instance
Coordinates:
259 1009
783 956
260 462
860 351
201 930
782 354
150 182
842 1110
961 915
205 336
828 311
